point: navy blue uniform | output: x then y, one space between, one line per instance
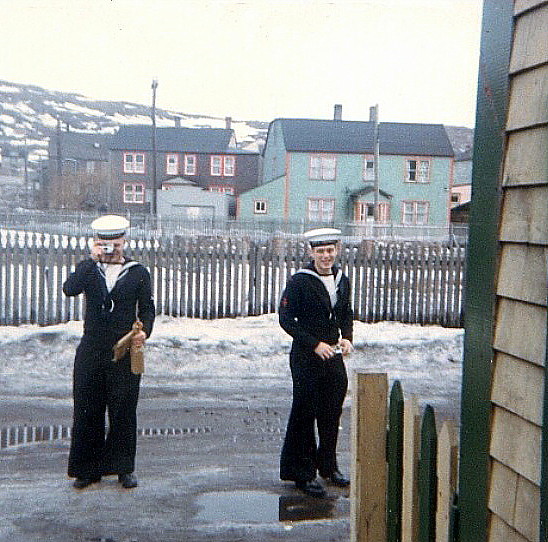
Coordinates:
101 385
319 386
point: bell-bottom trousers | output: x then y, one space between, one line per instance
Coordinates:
319 389
102 386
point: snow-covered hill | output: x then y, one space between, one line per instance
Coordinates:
28 116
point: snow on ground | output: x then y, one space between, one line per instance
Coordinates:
238 354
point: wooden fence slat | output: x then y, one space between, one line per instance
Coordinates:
395 464
176 273
266 264
221 255
406 282
227 263
410 483
182 256
41 281
189 274
368 500
59 267
16 261
428 477
378 285
206 271
447 479
25 280
8 274
198 275
3 289
168 283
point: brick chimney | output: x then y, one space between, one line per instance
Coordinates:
337 112
228 123
177 122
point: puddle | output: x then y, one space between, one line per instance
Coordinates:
263 507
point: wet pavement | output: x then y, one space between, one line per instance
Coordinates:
206 473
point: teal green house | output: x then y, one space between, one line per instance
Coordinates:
323 171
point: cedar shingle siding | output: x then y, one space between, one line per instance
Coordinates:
520 325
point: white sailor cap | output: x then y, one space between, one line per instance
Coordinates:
110 226
323 236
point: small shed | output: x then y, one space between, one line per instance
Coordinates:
184 199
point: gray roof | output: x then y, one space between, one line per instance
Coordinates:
172 139
342 136
367 190
464 155
81 146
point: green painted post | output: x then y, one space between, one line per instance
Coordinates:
454 520
428 481
492 100
395 464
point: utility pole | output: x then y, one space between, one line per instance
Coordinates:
58 144
26 163
154 195
374 116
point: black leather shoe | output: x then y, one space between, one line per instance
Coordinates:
81 483
337 479
311 487
128 480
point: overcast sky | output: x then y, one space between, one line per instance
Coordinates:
254 59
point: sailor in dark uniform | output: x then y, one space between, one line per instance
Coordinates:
117 291
315 310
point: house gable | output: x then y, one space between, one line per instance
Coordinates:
328 160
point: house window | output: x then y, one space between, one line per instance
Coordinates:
455 198
415 212
172 164
223 165
384 213
190 164
134 162
222 189
216 165
365 212
417 170
322 167
134 193
259 207
229 166
321 210
368 168
90 166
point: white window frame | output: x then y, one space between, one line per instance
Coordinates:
222 166
229 166
411 213
216 165
190 164
384 213
321 209
362 218
222 189
420 173
259 207
136 194
322 167
172 164
133 165
369 172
